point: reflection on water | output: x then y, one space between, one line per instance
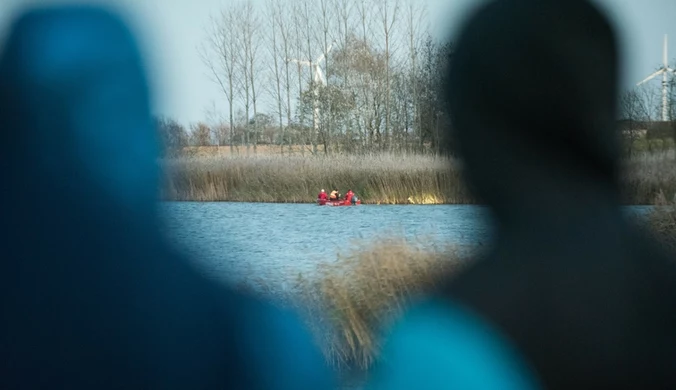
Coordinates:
274 242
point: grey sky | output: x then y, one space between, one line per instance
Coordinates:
172 29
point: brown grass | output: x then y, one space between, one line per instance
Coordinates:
377 178
212 174
348 302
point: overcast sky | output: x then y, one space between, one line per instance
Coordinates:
172 29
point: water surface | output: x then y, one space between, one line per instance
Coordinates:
237 242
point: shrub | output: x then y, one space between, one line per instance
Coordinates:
661 130
656 145
662 221
640 145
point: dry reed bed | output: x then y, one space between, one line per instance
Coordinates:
377 178
382 178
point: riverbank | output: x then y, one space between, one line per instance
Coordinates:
377 178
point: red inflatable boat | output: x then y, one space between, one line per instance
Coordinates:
337 203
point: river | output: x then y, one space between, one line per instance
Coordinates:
233 242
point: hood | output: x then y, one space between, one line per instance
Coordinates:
532 92
78 110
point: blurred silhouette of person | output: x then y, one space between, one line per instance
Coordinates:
571 294
92 296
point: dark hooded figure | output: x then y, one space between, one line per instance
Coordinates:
91 296
571 294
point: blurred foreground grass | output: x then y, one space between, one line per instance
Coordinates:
349 302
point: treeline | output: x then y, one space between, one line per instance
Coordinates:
376 89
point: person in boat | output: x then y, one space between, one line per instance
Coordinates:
322 197
334 195
354 199
348 196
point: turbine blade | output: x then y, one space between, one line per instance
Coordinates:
298 61
328 49
659 72
320 75
330 46
664 51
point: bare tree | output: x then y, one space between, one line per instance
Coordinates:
414 17
283 23
344 12
243 32
298 22
388 17
273 10
252 41
200 134
221 54
364 14
652 99
381 78
631 116
326 40
173 135
217 125
310 23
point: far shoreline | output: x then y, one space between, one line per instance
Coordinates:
367 203
377 179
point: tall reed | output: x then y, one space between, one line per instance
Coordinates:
376 178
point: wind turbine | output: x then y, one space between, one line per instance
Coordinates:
665 70
318 77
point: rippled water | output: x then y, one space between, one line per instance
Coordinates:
236 241
274 242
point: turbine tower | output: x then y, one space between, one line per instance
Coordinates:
318 78
665 70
